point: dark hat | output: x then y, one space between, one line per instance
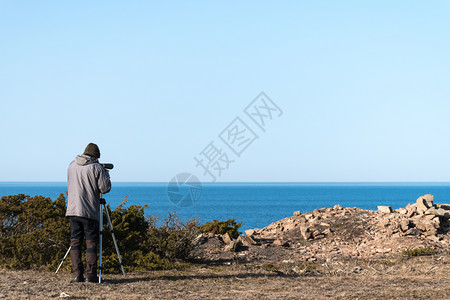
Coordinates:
92 150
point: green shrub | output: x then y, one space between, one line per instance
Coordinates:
33 231
221 227
418 252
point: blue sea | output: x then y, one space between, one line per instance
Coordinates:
256 205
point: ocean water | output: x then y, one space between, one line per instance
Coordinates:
256 205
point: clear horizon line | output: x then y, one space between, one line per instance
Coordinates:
218 182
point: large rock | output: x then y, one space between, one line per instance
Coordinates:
439 212
328 231
233 246
402 211
413 231
289 226
250 232
411 210
226 238
338 207
431 228
384 222
425 202
421 225
200 239
317 234
385 209
429 200
404 225
429 217
309 216
246 240
443 206
281 243
306 232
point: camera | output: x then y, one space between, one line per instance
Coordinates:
107 166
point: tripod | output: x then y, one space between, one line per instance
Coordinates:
102 207
111 229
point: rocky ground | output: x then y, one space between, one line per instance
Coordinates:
337 253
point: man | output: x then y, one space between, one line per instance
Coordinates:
86 179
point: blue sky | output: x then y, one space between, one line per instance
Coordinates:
363 86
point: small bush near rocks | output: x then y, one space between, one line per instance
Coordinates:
173 239
221 227
387 262
269 267
307 267
418 252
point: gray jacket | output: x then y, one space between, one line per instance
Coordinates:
86 179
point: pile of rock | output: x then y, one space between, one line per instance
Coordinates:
421 218
225 242
234 245
340 232
313 225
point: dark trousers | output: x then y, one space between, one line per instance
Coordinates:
81 228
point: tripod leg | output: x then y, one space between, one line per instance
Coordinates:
62 260
101 236
114 239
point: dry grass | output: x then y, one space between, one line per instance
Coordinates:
394 278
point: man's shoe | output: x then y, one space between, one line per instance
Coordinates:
78 279
92 279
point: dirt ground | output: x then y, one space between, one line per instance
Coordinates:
425 277
361 258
